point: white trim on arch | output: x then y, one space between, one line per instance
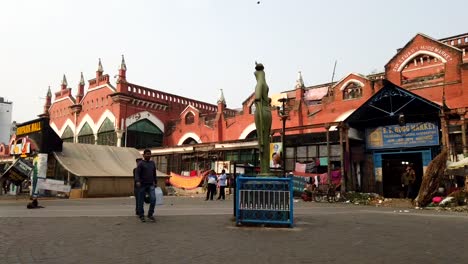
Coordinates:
417 53
247 131
106 114
142 115
60 131
55 128
351 81
189 135
67 123
90 121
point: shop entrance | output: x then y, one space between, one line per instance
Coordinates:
393 165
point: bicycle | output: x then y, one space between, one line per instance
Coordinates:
327 192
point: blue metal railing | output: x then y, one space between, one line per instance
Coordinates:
264 200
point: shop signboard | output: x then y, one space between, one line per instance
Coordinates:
19 171
409 135
34 136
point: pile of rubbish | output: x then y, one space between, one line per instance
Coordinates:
359 198
456 201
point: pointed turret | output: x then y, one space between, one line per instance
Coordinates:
123 66
64 83
48 103
299 81
100 70
221 97
221 102
82 79
122 71
80 93
300 87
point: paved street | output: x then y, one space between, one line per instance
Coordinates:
190 230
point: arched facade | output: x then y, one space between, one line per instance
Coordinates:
431 69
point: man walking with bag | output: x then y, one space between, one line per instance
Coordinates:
145 181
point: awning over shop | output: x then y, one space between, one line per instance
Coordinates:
393 105
98 161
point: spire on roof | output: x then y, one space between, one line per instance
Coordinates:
221 97
100 69
82 79
299 81
123 66
49 93
64 81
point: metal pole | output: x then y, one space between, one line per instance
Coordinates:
342 189
328 155
282 113
283 149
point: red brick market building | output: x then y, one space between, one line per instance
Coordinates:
323 121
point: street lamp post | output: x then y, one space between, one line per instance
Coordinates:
283 114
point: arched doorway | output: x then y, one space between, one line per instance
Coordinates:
143 134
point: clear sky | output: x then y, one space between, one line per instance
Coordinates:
193 48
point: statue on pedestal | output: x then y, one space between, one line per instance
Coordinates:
262 118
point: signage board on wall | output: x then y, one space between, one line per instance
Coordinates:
19 171
409 135
34 136
276 152
223 165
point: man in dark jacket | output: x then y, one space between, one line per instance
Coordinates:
135 189
145 181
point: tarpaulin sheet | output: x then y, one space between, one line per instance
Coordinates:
98 161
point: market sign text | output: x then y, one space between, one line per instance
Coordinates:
411 51
29 128
409 135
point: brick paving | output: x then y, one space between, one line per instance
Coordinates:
190 230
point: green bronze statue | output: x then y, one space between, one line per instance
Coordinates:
262 118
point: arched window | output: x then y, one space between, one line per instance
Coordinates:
143 134
189 118
252 135
352 91
67 135
422 69
86 135
189 141
106 133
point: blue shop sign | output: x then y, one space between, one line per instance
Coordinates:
409 135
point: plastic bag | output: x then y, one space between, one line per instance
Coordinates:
159 196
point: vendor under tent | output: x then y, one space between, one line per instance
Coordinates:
460 169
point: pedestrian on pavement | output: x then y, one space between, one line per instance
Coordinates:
212 179
145 181
135 189
408 178
222 179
